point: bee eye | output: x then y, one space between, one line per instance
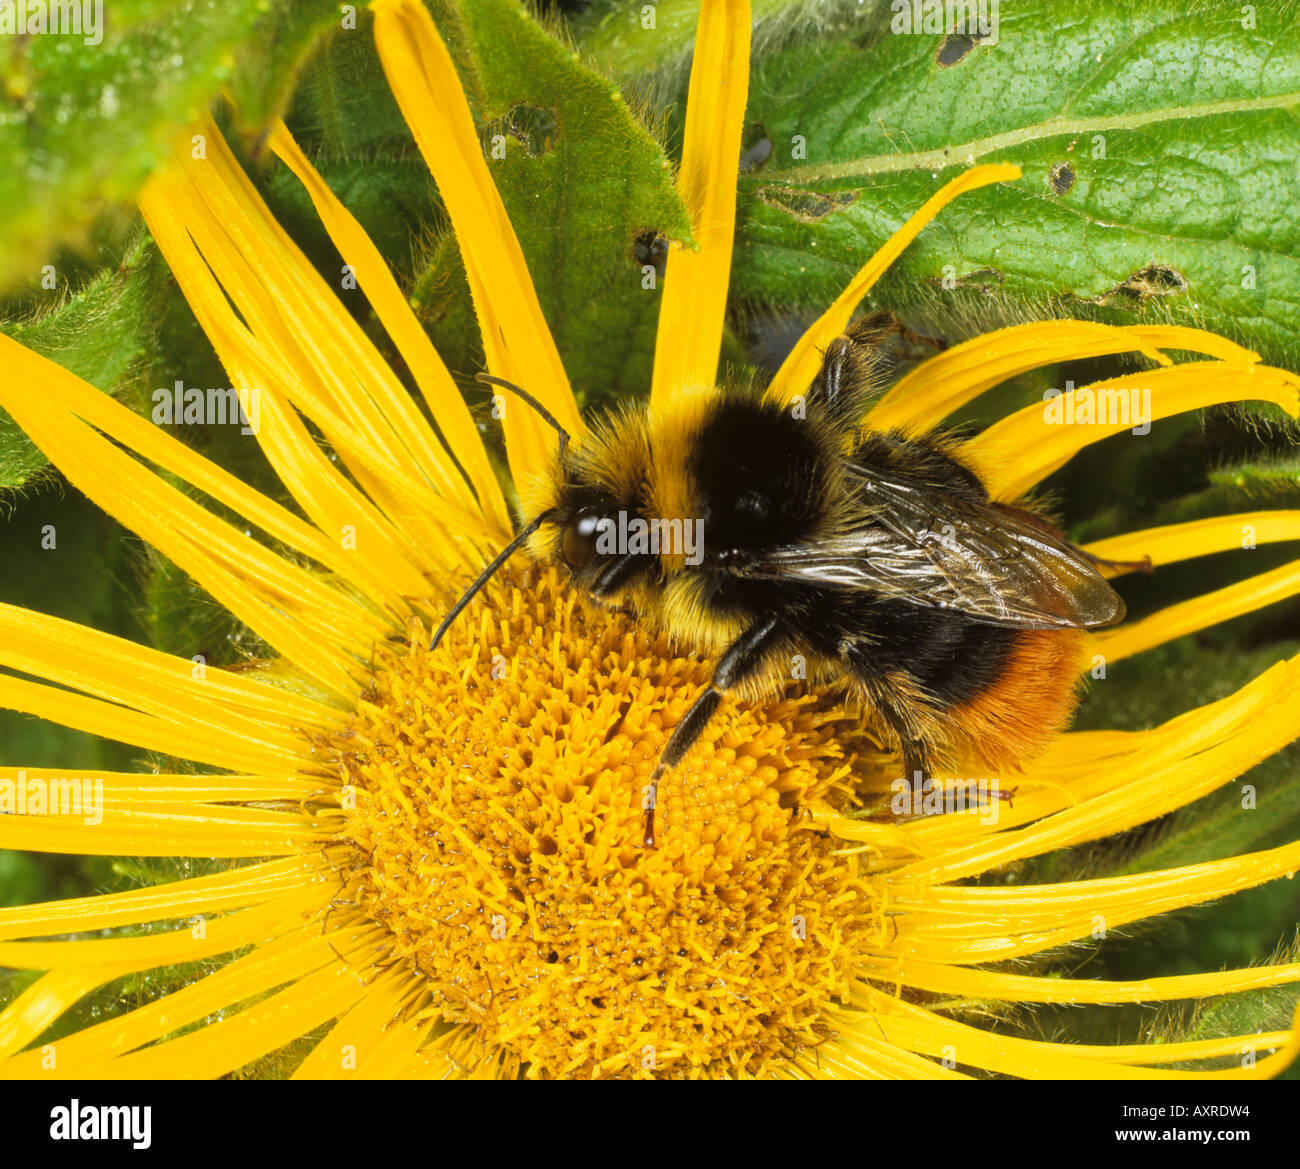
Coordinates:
578 544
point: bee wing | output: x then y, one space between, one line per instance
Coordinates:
934 549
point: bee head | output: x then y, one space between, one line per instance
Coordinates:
584 539
595 495
579 536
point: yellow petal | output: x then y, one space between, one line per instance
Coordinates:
856 1054
457 1055
947 979
1266 588
962 911
249 885
917 1030
1083 765
694 303
40 1005
63 390
341 380
298 952
367 1041
971 932
216 831
326 631
1174 542
1097 783
175 688
240 1038
148 790
943 384
1016 453
1193 538
183 943
516 340
211 745
394 311
279 331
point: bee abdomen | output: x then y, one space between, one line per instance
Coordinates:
1016 717
999 694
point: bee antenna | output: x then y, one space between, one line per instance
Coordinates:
489 572
547 416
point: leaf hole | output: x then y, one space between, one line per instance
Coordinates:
954 48
755 148
649 248
806 206
535 127
1153 280
1061 178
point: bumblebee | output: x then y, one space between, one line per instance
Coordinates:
876 558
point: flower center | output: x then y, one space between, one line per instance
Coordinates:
498 786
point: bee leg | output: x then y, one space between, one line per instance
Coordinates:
916 767
904 725
874 329
856 362
741 661
851 371
917 764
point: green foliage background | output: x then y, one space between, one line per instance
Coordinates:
1161 149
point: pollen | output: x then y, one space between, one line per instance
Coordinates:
494 832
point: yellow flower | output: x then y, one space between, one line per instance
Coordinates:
431 857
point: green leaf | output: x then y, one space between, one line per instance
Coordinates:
640 42
1159 145
583 182
346 121
104 333
392 198
343 108
82 125
268 62
1245 1014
